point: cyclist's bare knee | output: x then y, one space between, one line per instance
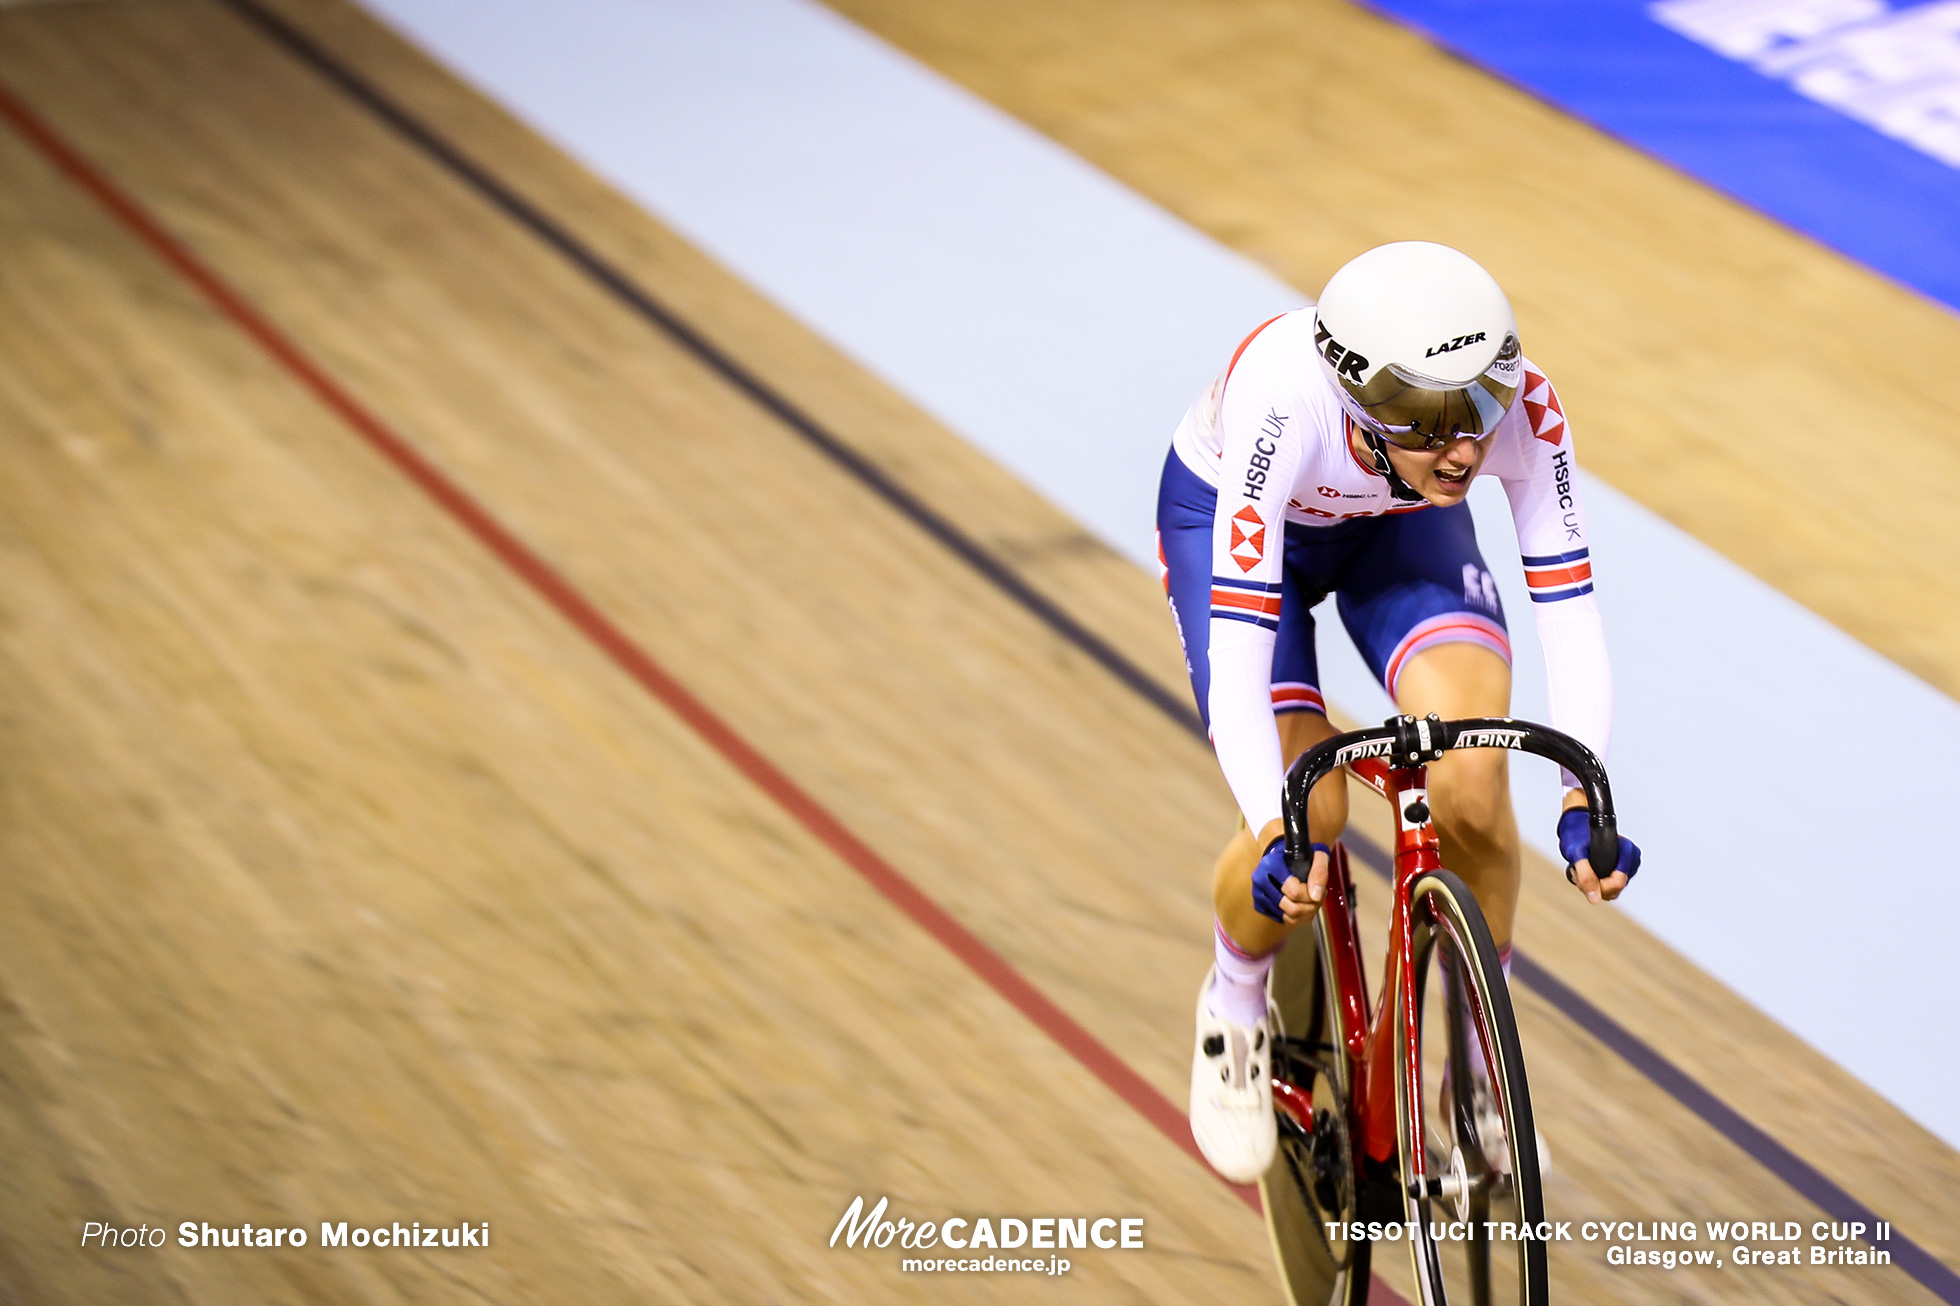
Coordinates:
1327 809
1231 898
1455 680
1471 793
1470 790
1299 731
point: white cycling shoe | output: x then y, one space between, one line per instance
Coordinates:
1232 1094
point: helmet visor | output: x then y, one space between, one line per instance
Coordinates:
1419 412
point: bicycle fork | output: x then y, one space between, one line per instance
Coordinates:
1388 1124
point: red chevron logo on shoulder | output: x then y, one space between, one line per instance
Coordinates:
1542 407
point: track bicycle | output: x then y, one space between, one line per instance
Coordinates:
1362 1135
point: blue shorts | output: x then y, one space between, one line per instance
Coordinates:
1403 582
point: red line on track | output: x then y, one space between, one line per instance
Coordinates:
628 656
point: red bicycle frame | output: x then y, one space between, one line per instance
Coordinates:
1377 1046
1370 1041
1392 761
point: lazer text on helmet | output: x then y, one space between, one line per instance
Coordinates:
1449 346
1344 360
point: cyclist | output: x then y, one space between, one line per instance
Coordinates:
1333 455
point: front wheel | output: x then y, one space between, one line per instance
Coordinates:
1474 1121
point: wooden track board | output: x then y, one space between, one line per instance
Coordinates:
355 885
359 887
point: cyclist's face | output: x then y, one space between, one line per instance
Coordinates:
1441 476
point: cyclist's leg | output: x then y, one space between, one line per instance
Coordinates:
1425 614
1470 789
1185 508
1231 1101
1231 880
1313 557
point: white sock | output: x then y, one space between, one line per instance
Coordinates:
1238 985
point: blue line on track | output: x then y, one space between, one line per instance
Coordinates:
1786 1165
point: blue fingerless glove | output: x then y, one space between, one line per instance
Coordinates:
1269 875
1575 841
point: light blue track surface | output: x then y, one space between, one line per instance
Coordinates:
1877 199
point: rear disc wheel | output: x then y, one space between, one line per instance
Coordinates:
1313 1179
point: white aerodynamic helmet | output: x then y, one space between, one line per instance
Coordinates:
1420 344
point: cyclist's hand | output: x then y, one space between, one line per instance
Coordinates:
1575 841
1279 894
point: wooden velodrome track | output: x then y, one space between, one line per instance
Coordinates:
354 873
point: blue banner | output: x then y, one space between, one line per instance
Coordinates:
1841 118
